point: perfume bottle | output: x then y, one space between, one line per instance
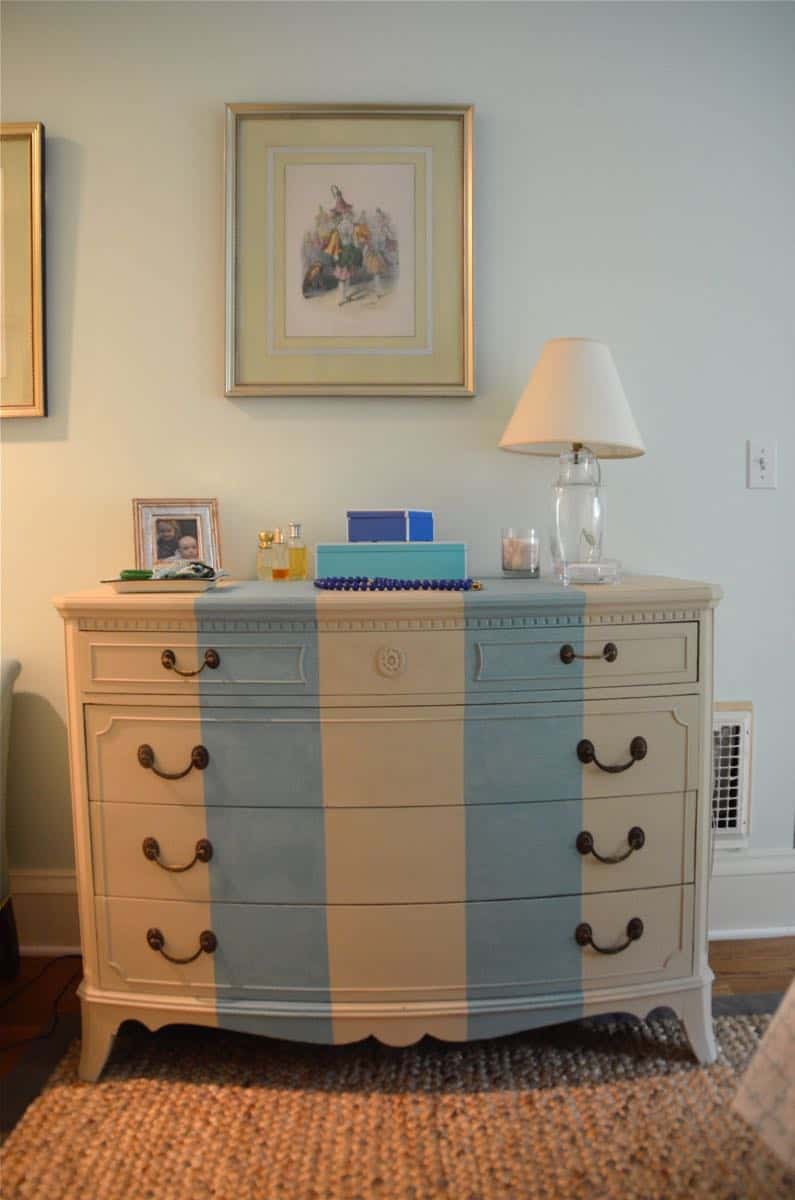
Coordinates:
280 562
296 552
265 555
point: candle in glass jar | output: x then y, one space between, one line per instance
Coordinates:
520 553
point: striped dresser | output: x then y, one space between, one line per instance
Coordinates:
328 816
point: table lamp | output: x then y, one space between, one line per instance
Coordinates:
574 406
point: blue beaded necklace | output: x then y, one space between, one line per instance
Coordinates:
361 583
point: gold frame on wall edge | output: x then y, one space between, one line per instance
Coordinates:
22 353
428 349
203 512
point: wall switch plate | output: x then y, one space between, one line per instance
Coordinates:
762 462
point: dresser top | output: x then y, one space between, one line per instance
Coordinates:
653 596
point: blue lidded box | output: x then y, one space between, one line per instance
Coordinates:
392 560
390 525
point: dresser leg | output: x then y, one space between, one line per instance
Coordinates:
99 1032
695 1010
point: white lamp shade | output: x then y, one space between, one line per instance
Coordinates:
574 395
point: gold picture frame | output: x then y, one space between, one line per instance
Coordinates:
22 359
349 250
163 528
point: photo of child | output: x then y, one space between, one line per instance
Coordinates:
177 537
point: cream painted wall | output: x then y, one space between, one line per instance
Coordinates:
634 181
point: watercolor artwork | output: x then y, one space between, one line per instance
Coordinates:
356 254
350 250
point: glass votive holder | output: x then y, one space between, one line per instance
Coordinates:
521 552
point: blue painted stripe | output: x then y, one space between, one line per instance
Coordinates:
518 758
516 753
271 759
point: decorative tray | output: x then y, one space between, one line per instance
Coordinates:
160 585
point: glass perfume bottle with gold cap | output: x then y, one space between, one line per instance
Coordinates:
265 555
296 552
280 563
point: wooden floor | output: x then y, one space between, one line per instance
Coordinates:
741 968
30 1013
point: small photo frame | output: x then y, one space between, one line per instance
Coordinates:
170 529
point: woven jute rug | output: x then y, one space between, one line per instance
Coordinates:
594 1109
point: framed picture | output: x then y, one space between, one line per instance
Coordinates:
169 529
22 365
349 250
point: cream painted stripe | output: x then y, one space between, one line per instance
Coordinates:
394 767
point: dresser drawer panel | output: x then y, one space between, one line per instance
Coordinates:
212 663
393 757
582 657
392 952
529 850
257 855
517 947
395 855
254 756
262 951
530 752
419 663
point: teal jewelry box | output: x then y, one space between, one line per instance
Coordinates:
395 560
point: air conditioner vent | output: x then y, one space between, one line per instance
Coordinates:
731 778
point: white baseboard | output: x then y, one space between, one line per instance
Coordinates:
45 910
752 894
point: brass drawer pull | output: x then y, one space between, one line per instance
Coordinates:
208 944
584 937
203 853
199 758
568 653
636 839
638 749
168 659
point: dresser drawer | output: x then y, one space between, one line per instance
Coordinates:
391 855
384 757
582 657
389 953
